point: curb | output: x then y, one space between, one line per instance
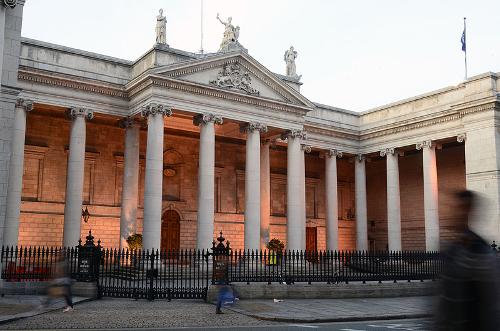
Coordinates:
37 312
334 319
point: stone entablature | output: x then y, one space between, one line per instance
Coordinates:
362 132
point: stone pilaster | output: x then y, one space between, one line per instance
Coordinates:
14 190
331 194
206 178
252 184
130 183
296 194
393 199
361 206
431 204
75 175
153 179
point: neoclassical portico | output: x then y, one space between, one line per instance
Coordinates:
182 147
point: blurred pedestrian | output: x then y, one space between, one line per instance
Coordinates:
60 285
468 298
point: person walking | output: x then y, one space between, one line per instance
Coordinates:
468 294
60 286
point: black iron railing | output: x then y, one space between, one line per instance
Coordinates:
154 274
331 266
36 263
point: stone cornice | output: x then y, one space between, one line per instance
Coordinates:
414 124
206 90
45 78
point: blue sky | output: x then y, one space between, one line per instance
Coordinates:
352 54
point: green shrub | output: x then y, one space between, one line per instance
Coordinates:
275 245
135 241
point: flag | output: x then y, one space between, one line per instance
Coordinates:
463 41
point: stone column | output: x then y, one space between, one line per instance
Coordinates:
130 183
74 176
393 199
431 204
332 210
252 185
153 178
16 168
265 194
206 178
296 193
361 209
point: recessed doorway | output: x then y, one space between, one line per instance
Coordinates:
170 231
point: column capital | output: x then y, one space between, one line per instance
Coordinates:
334 153
426 144
360 157
387 151
155 108
75 112
128 122
252 126
10 3
26 105
202 119
461 137
294 134
305 148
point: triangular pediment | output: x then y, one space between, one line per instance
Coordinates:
235 72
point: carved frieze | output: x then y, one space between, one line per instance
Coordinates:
205 118
234 76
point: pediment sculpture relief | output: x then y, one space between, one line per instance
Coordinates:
233 76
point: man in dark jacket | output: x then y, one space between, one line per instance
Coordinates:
469 282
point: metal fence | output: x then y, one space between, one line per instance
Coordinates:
331 266
154 275
36 263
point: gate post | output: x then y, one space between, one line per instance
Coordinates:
220 254
88 260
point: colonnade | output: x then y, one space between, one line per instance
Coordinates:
257 184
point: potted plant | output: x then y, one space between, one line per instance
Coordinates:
134 241
275 247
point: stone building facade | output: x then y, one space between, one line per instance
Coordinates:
179 146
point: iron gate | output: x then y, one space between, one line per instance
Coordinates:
153 274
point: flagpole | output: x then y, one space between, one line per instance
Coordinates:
201 27
465 52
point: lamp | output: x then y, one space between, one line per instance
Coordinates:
85 215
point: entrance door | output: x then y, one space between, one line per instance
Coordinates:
311 243
170 231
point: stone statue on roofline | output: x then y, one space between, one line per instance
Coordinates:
289 57
230 37
161 29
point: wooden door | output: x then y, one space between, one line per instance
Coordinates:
311 243
170 231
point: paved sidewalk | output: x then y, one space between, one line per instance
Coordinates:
14 307
335 310
110 313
